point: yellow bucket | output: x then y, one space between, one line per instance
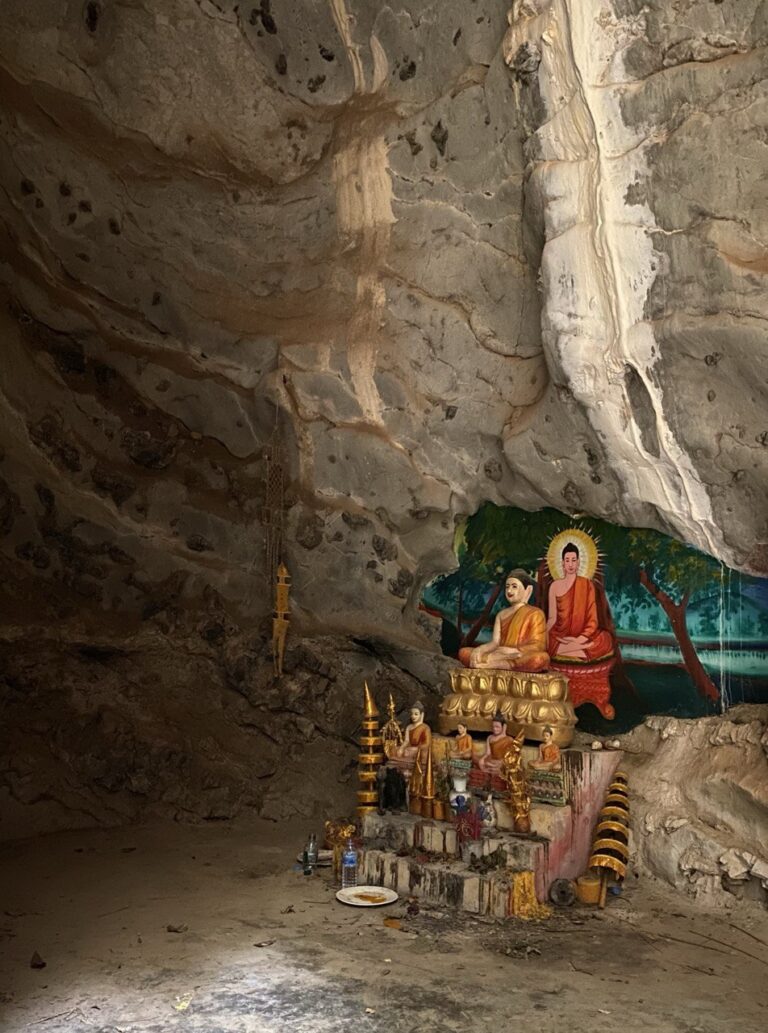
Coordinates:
588 889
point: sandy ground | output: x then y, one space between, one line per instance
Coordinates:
263 947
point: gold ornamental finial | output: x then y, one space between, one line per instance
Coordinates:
428 791
370 709
281 617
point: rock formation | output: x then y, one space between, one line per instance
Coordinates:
443 252
700 802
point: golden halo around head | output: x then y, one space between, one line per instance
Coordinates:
587 552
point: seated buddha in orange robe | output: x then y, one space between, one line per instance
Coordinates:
461 747
549 754
574 632
519 641
497 746
417 741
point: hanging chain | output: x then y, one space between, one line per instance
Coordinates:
273 513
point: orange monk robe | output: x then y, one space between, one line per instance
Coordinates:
420 735
549 753
416 746
577 616
500 747
420 738
525 630
462 744
497 751
549 757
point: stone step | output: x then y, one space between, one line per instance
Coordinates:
406 832
450 883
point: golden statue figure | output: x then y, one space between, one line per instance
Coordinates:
519 640
513 775
392 733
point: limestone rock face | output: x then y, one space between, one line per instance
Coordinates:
699 792
645 148
442 252
186 728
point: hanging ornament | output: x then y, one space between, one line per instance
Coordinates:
281 617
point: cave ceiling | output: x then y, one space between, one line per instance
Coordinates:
440 253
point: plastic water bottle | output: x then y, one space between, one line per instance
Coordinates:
349 866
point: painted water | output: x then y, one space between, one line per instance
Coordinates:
750 662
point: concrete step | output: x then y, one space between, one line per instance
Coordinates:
450 883
398 833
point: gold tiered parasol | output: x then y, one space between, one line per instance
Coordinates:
371 756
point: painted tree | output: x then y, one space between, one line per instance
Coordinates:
672 573
491 545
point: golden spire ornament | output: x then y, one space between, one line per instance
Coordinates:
428 788
280 617
392 733
371 756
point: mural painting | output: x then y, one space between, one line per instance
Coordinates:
637 621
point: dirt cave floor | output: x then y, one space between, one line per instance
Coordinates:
212 929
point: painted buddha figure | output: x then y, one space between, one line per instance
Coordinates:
497 745
416 742
519 641
573 629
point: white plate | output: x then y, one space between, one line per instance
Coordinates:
356 895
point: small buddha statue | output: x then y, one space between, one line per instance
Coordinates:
549 754
497 745
416 742
461 747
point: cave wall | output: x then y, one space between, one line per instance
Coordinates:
447 252
700 803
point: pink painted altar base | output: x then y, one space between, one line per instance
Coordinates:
569 830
